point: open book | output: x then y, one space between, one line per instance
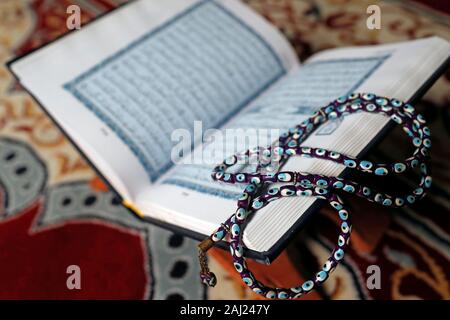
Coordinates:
127 87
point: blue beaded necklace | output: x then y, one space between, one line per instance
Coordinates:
258 192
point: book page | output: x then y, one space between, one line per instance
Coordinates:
388 70
289 103
120 86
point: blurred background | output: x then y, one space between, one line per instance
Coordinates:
123 258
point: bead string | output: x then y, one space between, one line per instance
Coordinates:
258 192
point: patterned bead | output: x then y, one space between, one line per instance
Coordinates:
256 197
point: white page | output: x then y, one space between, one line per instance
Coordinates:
194 201
82 90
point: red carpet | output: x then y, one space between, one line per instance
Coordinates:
35 259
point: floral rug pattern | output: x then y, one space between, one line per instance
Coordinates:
55 211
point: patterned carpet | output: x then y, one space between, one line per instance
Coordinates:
56 212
